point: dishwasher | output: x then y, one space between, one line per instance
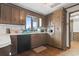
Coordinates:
23 43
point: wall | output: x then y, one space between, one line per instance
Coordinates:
71 29
75 26
76 30
76 36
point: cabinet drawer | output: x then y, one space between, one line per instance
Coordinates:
35 36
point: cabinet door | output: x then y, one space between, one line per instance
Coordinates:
13 44
56 40
22 16
44 37
37 40
6 14
49 17
15 15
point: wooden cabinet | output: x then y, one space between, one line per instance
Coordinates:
0 13
20 43
49 19
37 40
59 21
6 14
15 15
44 38
22 16
13 44
57 17
9 14
12 14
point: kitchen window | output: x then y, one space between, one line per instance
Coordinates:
32 23
28 23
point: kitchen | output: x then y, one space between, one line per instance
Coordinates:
22 30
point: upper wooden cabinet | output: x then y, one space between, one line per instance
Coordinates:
15 15
12 14
9 14
22 16
6 14
49 19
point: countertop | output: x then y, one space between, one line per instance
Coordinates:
26 33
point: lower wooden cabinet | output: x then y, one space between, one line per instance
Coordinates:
13 44
38 40
20 43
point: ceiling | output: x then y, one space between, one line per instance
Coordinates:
43 8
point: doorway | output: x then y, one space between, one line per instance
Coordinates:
74 29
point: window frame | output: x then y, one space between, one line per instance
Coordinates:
32 21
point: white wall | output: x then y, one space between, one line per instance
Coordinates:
75 26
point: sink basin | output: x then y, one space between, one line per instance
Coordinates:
4 40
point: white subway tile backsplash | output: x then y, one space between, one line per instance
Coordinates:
3 28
